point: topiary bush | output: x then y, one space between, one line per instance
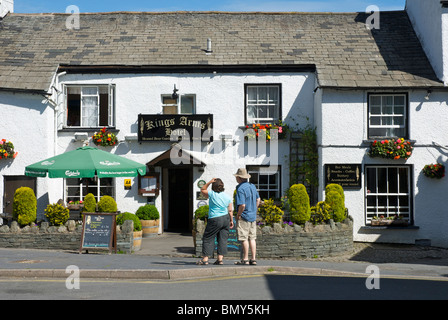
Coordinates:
270 213
122 217
24 207
147 212
57 214
336 203
299 204
338 189
89 203
107 204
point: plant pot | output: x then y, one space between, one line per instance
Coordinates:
137 244
150 228
388 222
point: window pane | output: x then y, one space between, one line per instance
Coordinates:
251 112
252 94
262 112
399 100
187 105
273 95
403 178
382 180
371 180
375 101
262 95
91 91
393 180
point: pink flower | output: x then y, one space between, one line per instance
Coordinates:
280 129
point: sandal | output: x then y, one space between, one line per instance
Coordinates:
202 263
218 262
242 262
253 262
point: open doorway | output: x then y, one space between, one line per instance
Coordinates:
179 200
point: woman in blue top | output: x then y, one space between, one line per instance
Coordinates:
220 220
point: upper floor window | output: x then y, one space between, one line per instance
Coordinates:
184 104
90 106
387 116
263 103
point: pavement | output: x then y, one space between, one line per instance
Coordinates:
171 257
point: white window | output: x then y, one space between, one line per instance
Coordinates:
266 180
77 189
263 104
388 192
90 106
387 116
185 104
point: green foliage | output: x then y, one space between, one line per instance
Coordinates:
338 189
336 202
107 204
122 217
89 203
24 206
201 213
321 213
299 204
57 214
270 212
147 212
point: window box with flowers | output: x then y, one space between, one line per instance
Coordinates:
7 150
393 221
391 149
256 130
434 171
104 138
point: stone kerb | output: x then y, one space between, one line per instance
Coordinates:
308 241
66 237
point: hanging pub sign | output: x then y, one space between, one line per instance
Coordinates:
157 127
346 175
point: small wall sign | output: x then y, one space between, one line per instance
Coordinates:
346 175
127 184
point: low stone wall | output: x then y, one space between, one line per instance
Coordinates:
296 242
67 237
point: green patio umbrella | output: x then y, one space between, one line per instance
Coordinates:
86 162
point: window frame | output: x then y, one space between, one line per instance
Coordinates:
246 101
111 89
406 114
252 169
410 194
179 103
81 186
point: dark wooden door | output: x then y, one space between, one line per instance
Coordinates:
11 184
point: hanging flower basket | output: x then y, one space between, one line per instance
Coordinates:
391 149
435 171
257 130
7 150
104 138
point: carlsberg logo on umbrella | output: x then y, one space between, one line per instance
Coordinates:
69 173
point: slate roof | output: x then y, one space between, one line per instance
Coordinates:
344 52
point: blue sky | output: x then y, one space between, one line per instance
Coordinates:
39 6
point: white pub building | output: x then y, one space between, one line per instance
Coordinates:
204 77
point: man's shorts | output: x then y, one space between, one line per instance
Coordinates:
246 230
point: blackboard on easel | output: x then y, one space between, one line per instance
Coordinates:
99 232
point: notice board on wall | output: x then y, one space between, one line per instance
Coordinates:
99 232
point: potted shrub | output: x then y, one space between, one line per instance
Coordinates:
149 218
24 207
137 235
201 213
434 171
107 204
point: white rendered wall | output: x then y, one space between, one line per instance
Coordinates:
344 116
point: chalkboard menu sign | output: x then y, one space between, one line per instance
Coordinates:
232 242
346 175
99 231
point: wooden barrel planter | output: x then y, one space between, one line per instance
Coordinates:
137 244
150 228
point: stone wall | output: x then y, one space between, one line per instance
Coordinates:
297 242
67 237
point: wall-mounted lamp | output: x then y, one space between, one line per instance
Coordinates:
428 94
175 95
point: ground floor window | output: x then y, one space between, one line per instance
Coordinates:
266 180
388 192
77 189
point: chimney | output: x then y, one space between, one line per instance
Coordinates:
430 21
6 6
